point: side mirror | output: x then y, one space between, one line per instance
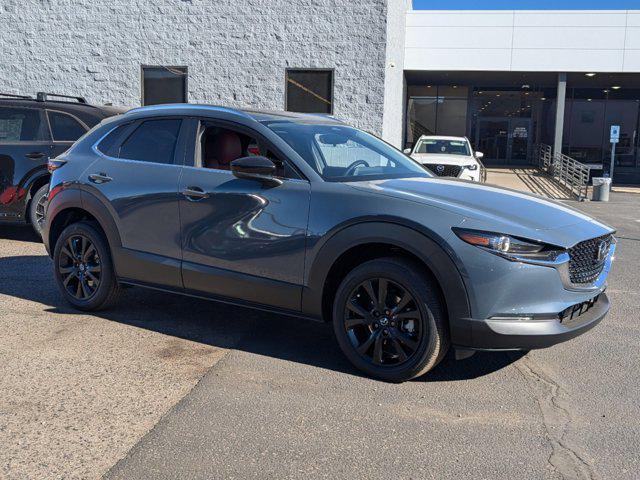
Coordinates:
255 168
479 154
406 151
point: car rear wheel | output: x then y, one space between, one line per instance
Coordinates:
36 208
389 321
83 268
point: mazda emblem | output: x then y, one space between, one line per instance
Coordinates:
440 168
602 251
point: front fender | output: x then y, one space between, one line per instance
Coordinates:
429 250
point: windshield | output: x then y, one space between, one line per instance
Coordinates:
342 153
442 147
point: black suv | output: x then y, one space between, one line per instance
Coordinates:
33 130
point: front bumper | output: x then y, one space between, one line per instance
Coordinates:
522 333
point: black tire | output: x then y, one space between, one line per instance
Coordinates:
82 256
396 359
36 208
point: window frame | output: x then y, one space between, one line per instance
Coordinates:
50 127
43 128
193 153
310 69
185 93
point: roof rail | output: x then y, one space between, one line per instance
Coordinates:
44 96
192 106
12 95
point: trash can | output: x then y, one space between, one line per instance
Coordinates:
601 187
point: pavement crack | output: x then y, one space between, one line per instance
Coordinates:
557 418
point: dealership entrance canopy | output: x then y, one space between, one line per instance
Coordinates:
505 114
510 80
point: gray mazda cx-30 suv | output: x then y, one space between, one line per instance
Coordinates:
307 216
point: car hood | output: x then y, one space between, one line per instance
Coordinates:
432 158
491 208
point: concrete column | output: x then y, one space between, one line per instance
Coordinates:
561 97
393 106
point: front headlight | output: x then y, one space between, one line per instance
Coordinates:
473 166
509 247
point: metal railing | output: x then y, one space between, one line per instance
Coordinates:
569 173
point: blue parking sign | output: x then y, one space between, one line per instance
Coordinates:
615 133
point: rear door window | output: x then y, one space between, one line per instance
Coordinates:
20 125
65 128
153 141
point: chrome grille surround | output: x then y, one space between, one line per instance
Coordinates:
587 259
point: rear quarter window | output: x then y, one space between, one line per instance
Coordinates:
65 128
108 145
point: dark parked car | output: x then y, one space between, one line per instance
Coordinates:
31 132
304 215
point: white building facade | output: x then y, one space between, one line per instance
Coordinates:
512 79
508 80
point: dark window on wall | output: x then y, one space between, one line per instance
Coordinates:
164 85
309 91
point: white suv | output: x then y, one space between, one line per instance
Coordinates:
448 157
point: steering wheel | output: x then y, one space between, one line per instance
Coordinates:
352 168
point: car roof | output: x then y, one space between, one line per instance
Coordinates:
257 115
442 137
107 110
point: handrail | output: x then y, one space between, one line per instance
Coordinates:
565 170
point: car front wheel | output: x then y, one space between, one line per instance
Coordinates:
83 268
389 321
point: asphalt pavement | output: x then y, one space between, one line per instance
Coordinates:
169 387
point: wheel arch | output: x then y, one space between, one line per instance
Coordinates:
354 244
32 182
71 205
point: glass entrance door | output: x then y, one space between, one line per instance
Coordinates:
519 140
492 139
504 141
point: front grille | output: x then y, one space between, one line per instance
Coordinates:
444 170
586 263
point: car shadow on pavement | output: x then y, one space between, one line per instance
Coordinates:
22 233
220 325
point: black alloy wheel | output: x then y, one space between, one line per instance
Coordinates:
39 212
383 322
389 319
37 208
83 267
79 267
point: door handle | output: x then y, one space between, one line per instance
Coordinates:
99 178
194 193
35 155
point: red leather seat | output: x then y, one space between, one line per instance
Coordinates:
221 149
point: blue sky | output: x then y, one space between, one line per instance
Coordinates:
526 4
